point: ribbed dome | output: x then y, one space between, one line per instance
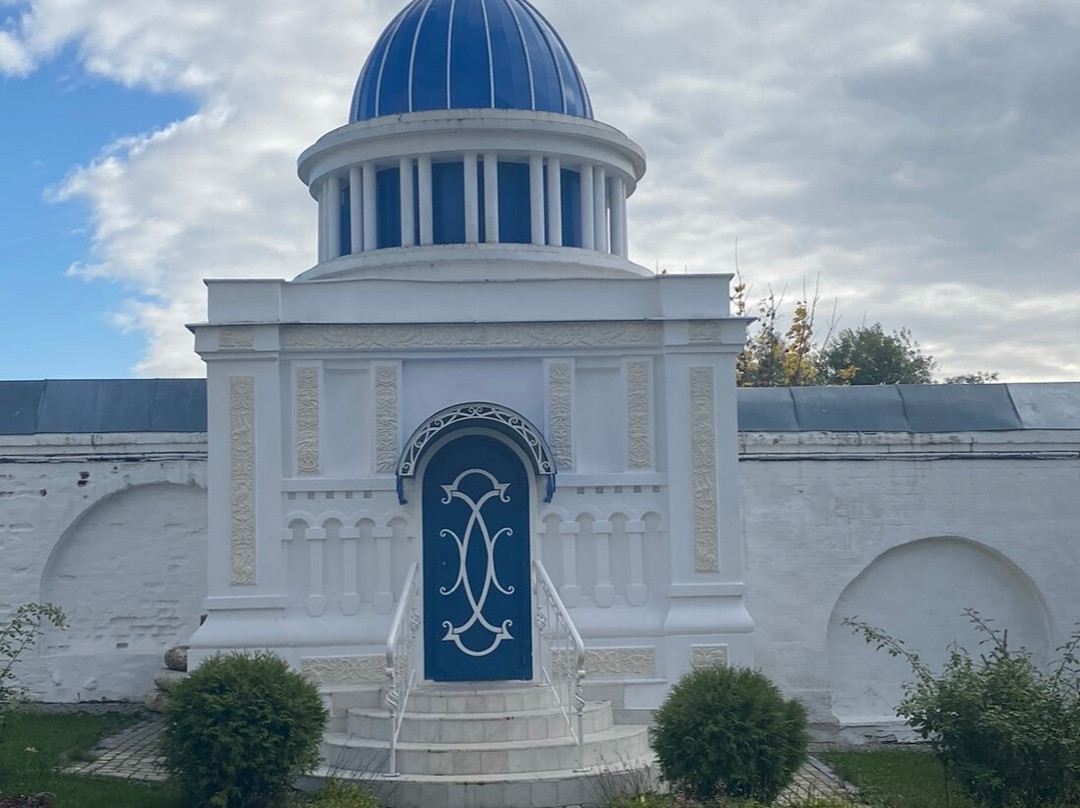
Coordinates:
469 54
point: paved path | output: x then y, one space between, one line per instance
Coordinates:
132 755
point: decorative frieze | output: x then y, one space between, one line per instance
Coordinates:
386 418
709 656
340 670
607 662
307 421
560 413
233 338
707 330
703 469
639 416
471 335
242 479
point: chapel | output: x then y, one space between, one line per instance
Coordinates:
475 433
490 484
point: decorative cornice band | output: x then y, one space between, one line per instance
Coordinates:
560 413
386 418
242 479
472 335
307 421
639 416
703 469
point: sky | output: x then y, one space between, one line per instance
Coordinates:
917 162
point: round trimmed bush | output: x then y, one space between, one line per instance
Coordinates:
729 732
240 729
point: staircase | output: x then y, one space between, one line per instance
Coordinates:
489 745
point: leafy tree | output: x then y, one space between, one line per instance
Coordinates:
980 377
773 358
867 355
798 356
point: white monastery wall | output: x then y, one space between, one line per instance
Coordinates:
112 528
904 532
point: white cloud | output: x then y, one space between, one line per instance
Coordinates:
15 60
922 158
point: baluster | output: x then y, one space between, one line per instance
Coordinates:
636 591
570 592
603 591
316 543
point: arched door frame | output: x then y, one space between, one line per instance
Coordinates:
494 418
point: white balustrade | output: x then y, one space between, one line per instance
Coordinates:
402 657
562 655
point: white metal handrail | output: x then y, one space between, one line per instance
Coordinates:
401 656
562 655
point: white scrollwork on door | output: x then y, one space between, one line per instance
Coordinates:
491 578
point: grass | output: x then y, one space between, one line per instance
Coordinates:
33 748
896 778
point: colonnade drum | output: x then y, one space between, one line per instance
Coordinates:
471 199
483 177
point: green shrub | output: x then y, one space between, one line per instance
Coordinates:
336 794
729 731
1006 731
17 634
240 729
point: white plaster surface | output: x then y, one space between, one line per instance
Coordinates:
821 530
113 529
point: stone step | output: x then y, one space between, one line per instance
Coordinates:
520 725
546 789
481 699
607 747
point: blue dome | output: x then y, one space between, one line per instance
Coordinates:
469 54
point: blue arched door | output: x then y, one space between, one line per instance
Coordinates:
477 602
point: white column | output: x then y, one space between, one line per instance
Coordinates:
536 197
600 209
570 591
384 597
604 591
427 226
333 230
588 232
635 591
618 216
491 197
316 543
350 560
323 241
408 219
472 199
356 210
554 201
371 240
